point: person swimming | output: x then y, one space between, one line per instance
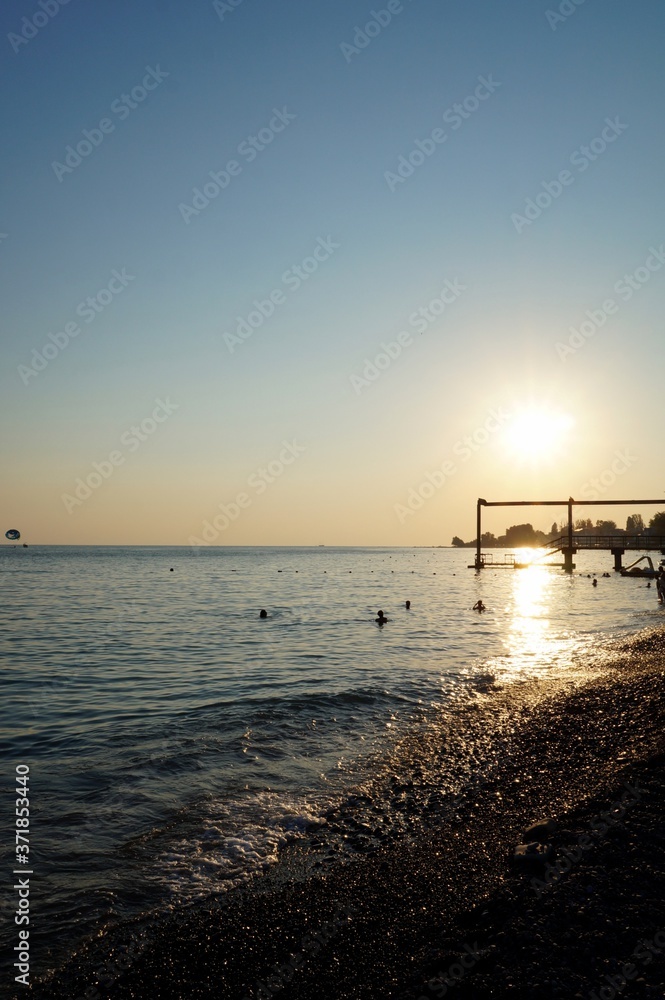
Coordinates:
479 606
408 605
594 582
263 613
381 618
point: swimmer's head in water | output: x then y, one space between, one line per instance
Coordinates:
263 613
408 605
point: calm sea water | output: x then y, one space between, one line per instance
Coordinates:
175 741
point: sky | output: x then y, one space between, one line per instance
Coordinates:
303 273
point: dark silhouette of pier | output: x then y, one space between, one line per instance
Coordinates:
570 543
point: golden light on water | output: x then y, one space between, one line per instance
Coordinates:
533 638
525 556
529 639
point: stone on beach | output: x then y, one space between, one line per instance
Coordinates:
533 854
540 831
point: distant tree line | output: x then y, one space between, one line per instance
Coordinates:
525 535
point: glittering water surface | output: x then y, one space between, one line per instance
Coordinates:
175 741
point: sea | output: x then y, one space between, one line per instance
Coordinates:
174 742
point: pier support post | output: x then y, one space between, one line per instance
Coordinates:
617 553
568 563
479 558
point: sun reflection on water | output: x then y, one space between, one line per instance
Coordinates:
529 638
524 556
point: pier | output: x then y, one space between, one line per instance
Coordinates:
569 544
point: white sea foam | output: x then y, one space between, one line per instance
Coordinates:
233 840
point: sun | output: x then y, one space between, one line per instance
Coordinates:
537 434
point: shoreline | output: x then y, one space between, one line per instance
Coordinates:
390 918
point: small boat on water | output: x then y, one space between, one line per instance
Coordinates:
647 572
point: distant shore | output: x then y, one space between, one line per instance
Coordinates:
443 912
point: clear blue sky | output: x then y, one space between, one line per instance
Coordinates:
219 76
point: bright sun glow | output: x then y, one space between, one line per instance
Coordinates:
524 556
535 435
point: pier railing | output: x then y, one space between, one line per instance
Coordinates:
645 543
